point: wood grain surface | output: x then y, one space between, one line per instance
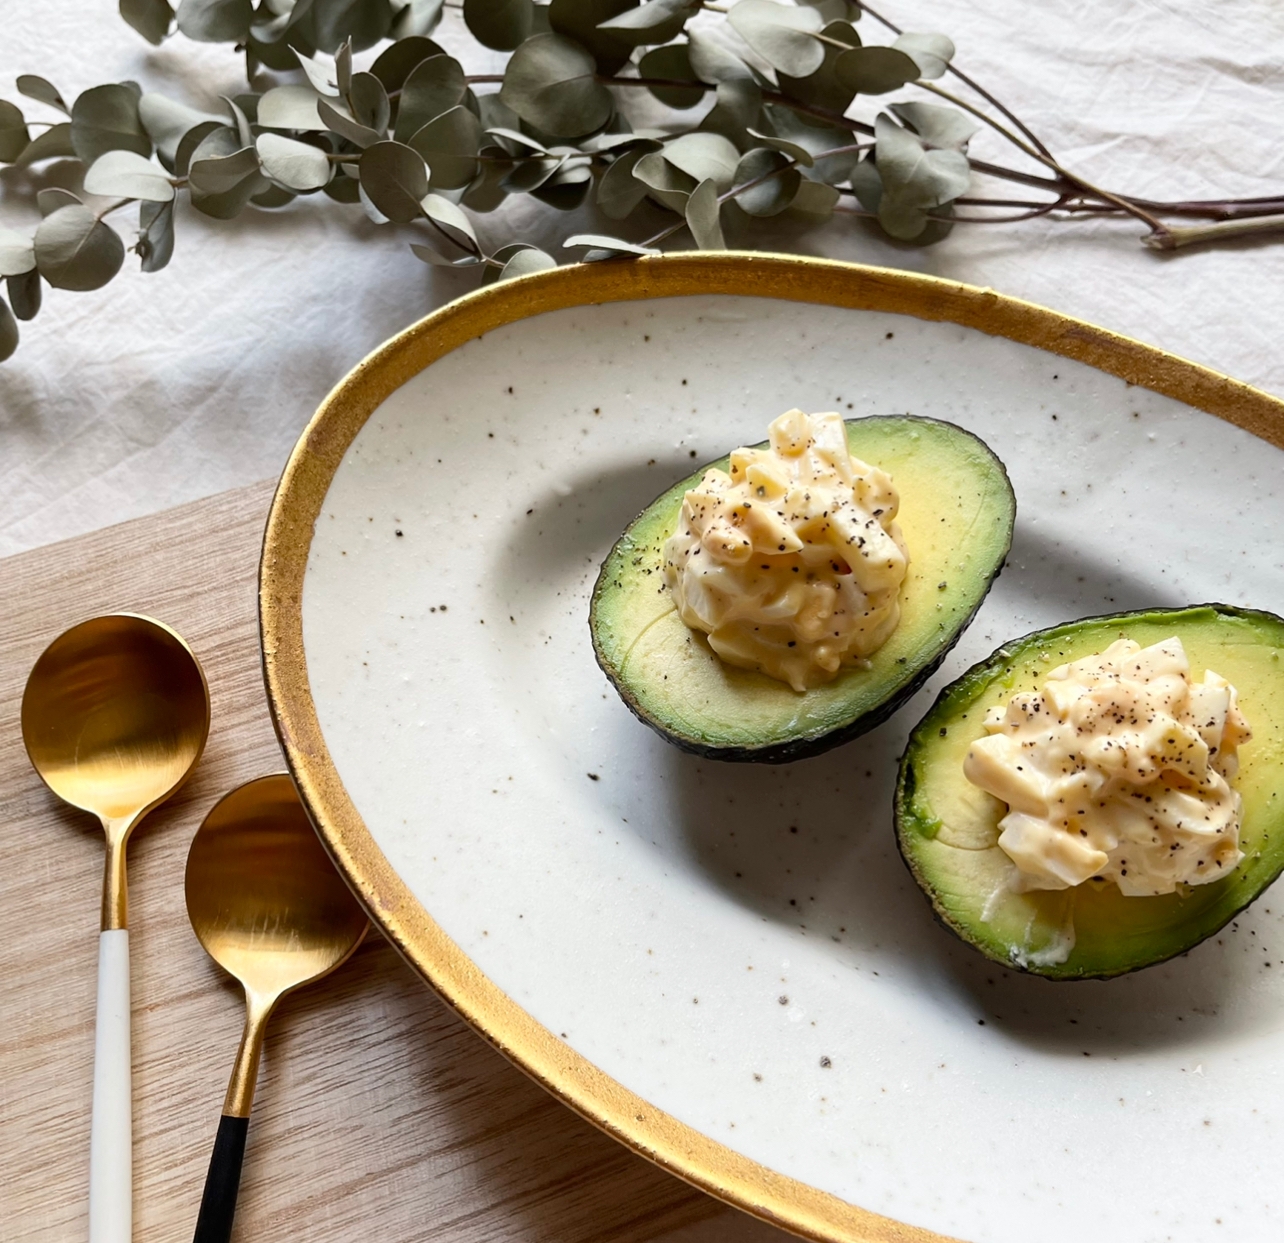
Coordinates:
379 1114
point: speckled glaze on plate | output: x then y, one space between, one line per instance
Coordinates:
727 966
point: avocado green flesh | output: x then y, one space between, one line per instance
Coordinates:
948 828
956 513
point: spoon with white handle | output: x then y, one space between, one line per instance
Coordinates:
114 717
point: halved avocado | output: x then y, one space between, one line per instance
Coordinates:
956 512
947 828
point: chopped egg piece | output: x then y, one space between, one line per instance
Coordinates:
1118 769
792 563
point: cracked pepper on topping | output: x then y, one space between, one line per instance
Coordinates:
792 564
1119 768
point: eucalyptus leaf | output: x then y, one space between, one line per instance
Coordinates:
500 24
368 207
443 213
528 175
669 186
191 142
704 157
417 19
600 241
368 101
24 294
948 128
395 179
430 255
321 71
343 189
17 253
293 164
75 250
449 145
738 107
105 118
656 21
713 62
914 174
822 89
51 198
702 217
33 86
672 62
240 122
815 198
166 121
494 114
773 195
867 184
54 143
291 107
781 36
155 245
550 83
524 261
8 332
567 188
619 192
221 185
342 124
434 86
487 191
215 21
795 151
817 138
393 65
524 141
128 175
273 196
343 68
582 20
875 70
14 135
151 18
364 22
932 53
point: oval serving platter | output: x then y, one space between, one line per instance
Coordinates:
726 966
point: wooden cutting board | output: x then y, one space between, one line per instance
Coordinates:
379 1114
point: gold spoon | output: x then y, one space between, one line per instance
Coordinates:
114 717
268 906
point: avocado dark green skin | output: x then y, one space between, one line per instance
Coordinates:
962 693
808 744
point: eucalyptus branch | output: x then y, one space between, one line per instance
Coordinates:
410 140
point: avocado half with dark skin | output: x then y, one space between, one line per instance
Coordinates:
948 829
956 513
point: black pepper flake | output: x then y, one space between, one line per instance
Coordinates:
593 776
399 533
825 1063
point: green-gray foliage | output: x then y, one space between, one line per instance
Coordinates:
759 126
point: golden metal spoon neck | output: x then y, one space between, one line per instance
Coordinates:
115 912
245 1073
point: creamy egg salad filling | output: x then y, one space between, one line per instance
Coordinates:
792 563
1118 769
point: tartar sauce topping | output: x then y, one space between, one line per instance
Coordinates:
1118 768
792 564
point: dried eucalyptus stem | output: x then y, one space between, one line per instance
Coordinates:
415 140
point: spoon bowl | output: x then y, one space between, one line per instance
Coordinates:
115 715
266 902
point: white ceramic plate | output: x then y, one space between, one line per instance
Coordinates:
727 965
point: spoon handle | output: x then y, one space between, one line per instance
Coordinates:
110 1131
223 1182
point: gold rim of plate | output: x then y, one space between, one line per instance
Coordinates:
676 1147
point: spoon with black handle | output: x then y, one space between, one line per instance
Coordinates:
268 906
